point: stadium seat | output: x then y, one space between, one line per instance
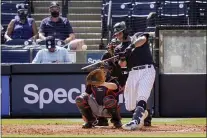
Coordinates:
8 8
34 53
6 18
173 13
140 13
117 9
202 10
138 24
120 12
15 56
15 1
145 1
16 42
142 9
118 1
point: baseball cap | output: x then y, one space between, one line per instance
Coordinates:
22 6
54 4
50 42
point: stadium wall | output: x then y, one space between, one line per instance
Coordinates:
49 91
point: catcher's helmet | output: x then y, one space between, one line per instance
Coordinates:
105 65
50 42
115 41
119 27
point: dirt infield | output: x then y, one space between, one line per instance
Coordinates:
77 130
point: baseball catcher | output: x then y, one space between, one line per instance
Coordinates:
100 98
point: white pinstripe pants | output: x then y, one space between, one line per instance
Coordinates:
138 86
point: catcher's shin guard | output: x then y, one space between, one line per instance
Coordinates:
84 108
116 117
110 104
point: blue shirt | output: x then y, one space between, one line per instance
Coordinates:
60 29
22 30
60 55
140 55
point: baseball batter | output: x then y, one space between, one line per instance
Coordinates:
138 59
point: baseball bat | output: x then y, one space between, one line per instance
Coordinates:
99 62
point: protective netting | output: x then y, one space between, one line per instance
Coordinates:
136 13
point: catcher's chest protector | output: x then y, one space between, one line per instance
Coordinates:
100 92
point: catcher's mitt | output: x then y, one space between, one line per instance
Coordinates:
95 77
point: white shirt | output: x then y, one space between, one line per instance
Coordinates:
60 55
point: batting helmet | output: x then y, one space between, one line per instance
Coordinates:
119 27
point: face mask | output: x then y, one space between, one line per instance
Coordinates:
23 15
108 75
55 14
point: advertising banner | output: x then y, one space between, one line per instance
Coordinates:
93 57
5 102
52 95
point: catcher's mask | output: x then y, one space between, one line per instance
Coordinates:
106 69
113 43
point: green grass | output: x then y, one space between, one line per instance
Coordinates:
155 121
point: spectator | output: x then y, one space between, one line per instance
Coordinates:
52 53
56 26
21 27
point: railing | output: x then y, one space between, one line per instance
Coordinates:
65 8
22 55
109 22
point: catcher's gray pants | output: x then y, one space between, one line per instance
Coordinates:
97 110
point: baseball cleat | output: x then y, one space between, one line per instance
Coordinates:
102 122
117 124
132 125
136 124
90 124
141 122
148 119
87 125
